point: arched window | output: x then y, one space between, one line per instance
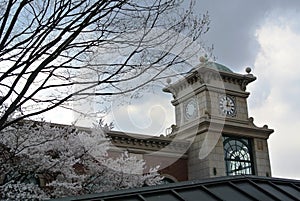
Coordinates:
238 156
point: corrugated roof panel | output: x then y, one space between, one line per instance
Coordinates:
249 188
273 190
225 188
298 185
164 196
195 193
226 191
290 189
130 198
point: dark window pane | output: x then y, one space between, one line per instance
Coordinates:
237 155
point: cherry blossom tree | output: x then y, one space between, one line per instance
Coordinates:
39 160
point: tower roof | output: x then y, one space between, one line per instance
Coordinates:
215 66
216 71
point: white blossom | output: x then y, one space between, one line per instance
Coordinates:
68 161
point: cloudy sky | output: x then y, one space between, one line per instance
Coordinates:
262 34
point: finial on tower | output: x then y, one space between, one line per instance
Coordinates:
203 59
168 80
248 70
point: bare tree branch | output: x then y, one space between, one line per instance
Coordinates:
56 52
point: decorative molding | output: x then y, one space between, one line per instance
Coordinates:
148 143
205 75
224 126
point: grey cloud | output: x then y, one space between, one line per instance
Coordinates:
233 27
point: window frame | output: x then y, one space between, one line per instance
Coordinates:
241 147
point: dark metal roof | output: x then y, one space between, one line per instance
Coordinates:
218 67
221 188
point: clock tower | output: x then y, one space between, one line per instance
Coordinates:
211 112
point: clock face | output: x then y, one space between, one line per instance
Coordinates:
227 105
190 109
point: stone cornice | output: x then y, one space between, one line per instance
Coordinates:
224 126
148 143
203 75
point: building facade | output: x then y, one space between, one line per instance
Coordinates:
213 135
